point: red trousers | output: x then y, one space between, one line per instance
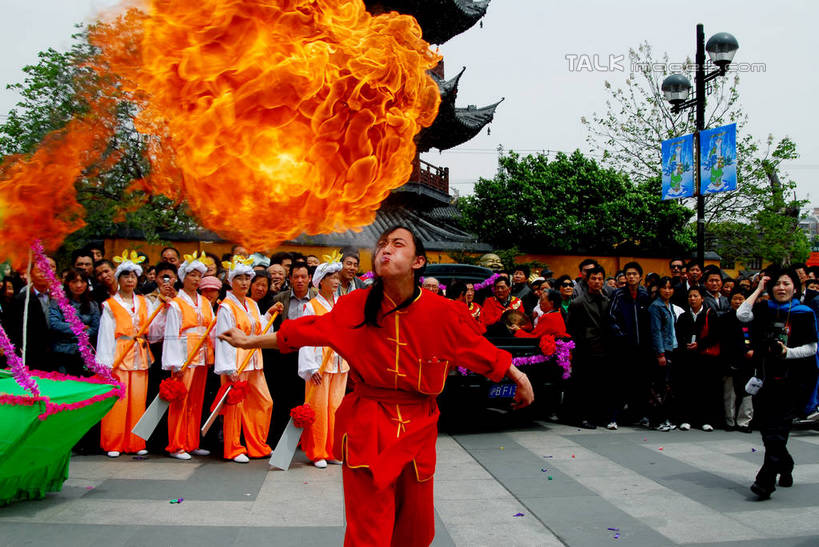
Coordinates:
185 416
402 514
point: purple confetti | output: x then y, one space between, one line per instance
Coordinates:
140 457
543 469
89 487
547 456
614 529
617 535
753 450
518 515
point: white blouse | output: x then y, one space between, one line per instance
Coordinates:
106 344
175 348
226 355
310 357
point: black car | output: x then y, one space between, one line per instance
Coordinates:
464 394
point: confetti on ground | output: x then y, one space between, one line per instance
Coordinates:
550 477
753 450
660 448
177 500
617 535
543 469
89 487
140 457
547 456
501 448
518 515
645 439
572 455
614 529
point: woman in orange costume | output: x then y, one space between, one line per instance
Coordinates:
188 318
123 315
250 416
400 342
324 372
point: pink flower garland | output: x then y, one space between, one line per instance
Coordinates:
70 314
366 276
18 369
562 357
487 283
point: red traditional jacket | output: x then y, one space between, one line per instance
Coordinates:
390 419
493 309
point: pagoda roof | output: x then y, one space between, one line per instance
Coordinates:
454 126
440 20
438 229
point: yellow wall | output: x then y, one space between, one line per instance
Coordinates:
559 264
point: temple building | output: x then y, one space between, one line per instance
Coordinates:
424 202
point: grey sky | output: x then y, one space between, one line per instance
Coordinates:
520 53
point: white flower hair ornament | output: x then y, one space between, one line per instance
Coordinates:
239 266
193 262
128 263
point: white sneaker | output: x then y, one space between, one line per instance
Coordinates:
335 462
181 455
707 427
685 426
612 426
241 458
113 454
200 452
142 452
813 417
321 464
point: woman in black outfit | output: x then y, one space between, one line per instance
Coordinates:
785 354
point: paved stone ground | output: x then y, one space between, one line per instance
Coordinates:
572 487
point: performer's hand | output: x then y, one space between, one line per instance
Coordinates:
692 346
524 394
316 378
234 377
235 338
661 360
278 307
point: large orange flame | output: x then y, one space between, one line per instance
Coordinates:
268 118
275 118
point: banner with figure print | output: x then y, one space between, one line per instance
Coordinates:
718 159
678 167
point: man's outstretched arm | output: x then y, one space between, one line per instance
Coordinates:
238 339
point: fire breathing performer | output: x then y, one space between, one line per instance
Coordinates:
188 318
324 373
251 415
125 323
400 343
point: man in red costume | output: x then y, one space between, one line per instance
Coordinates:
400 343
494 307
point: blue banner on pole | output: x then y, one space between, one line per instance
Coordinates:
718 159
678 167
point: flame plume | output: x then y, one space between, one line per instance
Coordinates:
268 118
274 118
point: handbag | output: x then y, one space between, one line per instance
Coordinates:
753 386
714 350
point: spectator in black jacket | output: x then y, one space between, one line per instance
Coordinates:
38 340
714 298
631 347
697 378
588 327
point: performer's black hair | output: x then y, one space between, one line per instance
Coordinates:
374 300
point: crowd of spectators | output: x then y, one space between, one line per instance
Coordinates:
665 352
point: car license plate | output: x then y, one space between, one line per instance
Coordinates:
502 391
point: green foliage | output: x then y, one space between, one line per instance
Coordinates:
637 119
571 205
52 93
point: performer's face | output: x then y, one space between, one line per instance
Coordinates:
395 255
127 281
192 280
240 284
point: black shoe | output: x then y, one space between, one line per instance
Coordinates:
730 427
786 480
744 429
762 492
585 424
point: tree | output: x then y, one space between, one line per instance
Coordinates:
572 205
52 93
637 119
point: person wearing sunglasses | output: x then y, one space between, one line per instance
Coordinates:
677 267
565 286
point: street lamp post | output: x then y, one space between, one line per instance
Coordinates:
721 48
